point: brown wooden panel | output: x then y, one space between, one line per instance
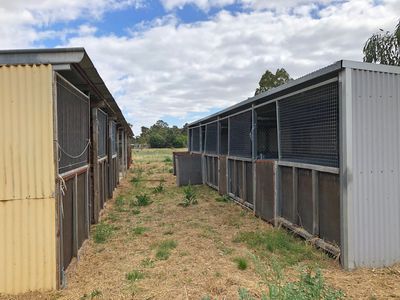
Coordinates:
329 207
239 180
286 186
304 199
82 207
174 155
265 190
222 176
68 223
249 182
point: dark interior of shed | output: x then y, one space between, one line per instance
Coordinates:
267 136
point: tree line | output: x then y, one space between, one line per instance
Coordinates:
161 135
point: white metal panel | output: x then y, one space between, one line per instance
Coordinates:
374 203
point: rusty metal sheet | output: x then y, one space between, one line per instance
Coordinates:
304 199
249 182
265 190
329 207
286 186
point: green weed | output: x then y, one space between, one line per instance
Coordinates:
289 249
309 287
142 200
102 232
159 188
135 275
139 230
190 196
92 295
225 198
135 211
147 263
241 263
167 159
164 249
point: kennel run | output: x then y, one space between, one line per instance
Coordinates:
318 155
64 145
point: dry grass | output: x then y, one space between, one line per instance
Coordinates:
203 242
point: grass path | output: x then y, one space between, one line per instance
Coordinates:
147 246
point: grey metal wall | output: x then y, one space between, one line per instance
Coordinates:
371 113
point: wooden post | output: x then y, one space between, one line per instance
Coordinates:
315 202
95 165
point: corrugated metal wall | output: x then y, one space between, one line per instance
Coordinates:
27 205
374 204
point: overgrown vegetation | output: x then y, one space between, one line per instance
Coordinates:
164 249
279 243
190 196
92 295
102 232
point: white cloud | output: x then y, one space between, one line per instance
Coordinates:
25 22
174 69
202 4
165 69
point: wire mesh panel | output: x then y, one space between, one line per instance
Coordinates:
73 127
211 138
113 138
223 137
240 135
196 139
190 139
102 136
267 134
309 126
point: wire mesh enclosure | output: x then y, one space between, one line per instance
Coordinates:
240 135
196 139
211 138
267 134
102 136
203 138
309 126
223 137
113 138
73 126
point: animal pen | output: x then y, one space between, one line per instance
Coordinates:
64 146
318 155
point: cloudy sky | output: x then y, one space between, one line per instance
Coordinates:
179 60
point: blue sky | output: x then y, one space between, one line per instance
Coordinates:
179 60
